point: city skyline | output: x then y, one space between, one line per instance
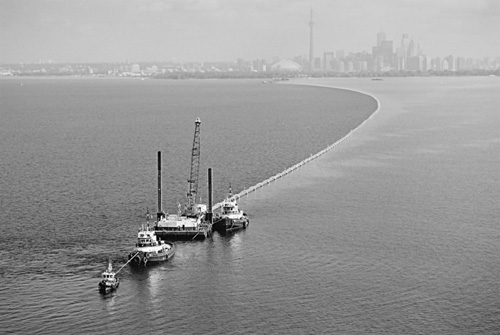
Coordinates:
150 30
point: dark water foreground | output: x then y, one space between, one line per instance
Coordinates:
394 231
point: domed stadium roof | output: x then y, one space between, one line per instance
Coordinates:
286 65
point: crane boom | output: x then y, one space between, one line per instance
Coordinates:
195 170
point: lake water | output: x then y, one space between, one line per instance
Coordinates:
395 230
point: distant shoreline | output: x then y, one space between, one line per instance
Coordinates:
272 75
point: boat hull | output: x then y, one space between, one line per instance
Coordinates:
224 224
143 258
172 234
180 227
106 287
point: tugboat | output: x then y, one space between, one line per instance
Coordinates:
108 282
149 248
231 217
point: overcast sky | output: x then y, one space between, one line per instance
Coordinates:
223 30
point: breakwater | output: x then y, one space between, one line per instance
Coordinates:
307 160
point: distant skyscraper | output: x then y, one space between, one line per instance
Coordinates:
328 58
417 63
403 52
461 63
451 63
445 66
383 54
380 38
341 66
386 51
311 49
350 66
412 49
439 65
405 42
420 52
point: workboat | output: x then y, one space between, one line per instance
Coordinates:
150 249
230 217
108 282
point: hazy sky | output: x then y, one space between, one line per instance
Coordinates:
221 30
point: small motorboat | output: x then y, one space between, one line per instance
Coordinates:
108 282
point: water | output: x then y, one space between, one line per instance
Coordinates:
393 231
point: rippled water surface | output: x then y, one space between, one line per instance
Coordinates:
394 231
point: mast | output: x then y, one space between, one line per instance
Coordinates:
195 170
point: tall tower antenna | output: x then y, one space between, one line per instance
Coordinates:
311 48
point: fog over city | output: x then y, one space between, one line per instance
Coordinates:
219 30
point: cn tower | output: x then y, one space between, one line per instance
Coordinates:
311 49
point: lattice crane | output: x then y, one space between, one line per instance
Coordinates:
191 208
